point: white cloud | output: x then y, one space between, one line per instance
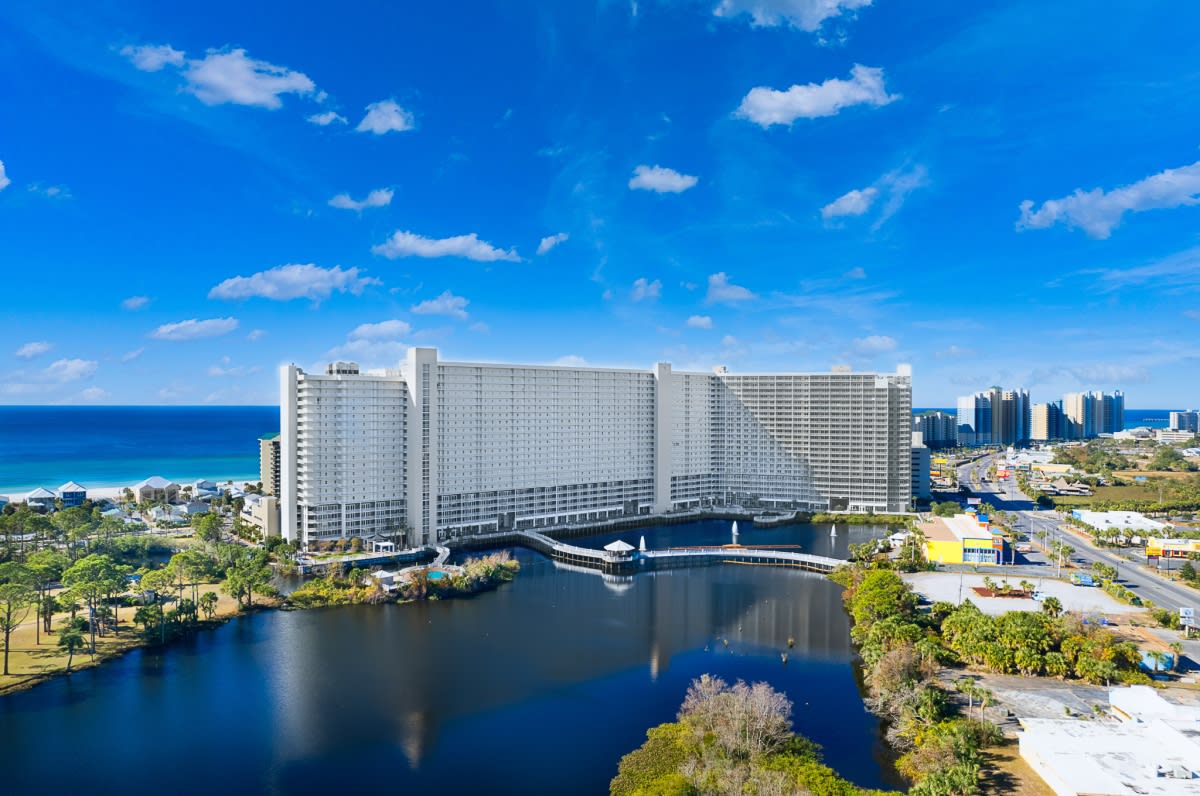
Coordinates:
856 273
287 282
445 304
386 116
152 57
65 370
135 303
34 349
326 118
382 330
380 197
953 352
896 185
369 353
409 244
700 322
1180 270
851 203
1098 213
660 180
874 344
256 334
481 327
92 395
721 290
193 329
221 77
570 361
806 15
766 106
226 369
4 180
129 356
1193 314
550 242
49 191
644 289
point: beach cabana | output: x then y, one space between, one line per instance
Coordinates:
619 548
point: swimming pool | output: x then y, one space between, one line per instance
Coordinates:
436 575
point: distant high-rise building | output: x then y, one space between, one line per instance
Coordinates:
268 463
1185 421
994 417
1090 414
938 429
921 487
1046 422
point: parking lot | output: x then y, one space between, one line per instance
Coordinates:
953 587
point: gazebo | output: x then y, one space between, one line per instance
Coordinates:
620 548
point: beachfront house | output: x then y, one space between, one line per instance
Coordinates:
194 507
41 498
156 489
72 494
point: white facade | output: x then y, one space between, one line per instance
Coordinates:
436 449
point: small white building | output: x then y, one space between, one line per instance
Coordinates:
1121 521
41 498
1153 748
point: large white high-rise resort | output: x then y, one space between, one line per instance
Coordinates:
435 450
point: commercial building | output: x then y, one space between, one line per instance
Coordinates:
938 429
1130 522
433 450
1149 746
1171 548
268 463
994 417
1162 435
961 539
72 494
1184 421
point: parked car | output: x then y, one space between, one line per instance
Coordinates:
1038 596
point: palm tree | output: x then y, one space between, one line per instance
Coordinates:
1052 606
70 639
1160 660
1177 649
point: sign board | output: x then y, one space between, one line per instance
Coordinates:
1187 617
974 501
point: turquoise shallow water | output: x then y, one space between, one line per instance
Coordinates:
107 445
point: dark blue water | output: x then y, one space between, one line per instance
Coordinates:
536 688
118 445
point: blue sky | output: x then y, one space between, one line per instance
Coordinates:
994 192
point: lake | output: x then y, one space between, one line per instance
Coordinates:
538 687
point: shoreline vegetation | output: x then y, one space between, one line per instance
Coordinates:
75 597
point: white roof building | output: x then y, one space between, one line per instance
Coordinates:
41 496
1120 520
1153 748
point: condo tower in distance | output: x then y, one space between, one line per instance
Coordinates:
435 450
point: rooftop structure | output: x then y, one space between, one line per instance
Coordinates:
961 539
1120 520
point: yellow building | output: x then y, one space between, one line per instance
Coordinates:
961 539
1171 548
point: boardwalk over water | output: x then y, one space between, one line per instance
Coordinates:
614 563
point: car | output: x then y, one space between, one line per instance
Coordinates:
1038 596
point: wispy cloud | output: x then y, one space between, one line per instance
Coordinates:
895 187
34 349
857 272
325 119
287 282
129 356
49 191
875 344
225 368
806 15
767 106
1180 271
68 370
550 241
410 244
152 57
380 197
382 330
954 352
661 180
644 289
193 329
1098 212
386 116
134 303
225 76
722 291
4 180
700 322
445 304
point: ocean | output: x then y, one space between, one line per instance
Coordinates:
1134 418
119 445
